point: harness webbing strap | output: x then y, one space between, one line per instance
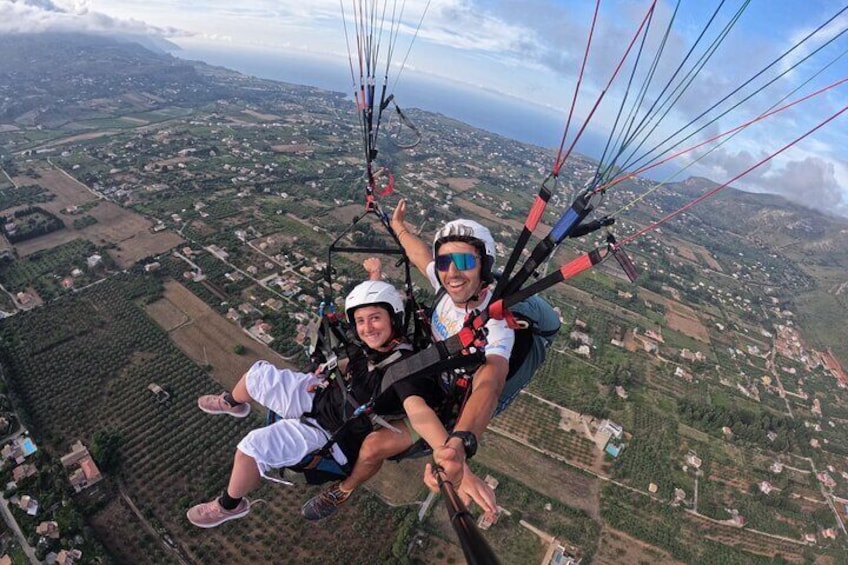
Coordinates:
570 220
444 356
530 224
570 269
497 311
625 262
589 227
358 410
536 212
396 354
577 266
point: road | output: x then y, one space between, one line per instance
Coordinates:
180 554
13 525
828 498
770 364
73 178
5 174
4 507
695 499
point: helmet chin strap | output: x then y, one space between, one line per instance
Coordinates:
476 296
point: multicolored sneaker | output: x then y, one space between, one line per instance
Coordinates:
325 503
211 514
217 404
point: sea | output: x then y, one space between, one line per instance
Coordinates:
509 117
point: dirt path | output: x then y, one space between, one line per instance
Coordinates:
180 555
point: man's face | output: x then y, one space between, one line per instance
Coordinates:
461 285
373 326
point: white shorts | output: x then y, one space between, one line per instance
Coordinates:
287 441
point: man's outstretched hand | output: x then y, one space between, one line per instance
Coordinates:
471 487
452 464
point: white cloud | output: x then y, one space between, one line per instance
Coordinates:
811 182
39 16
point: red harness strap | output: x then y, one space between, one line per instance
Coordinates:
498 312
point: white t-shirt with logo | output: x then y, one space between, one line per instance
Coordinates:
447 320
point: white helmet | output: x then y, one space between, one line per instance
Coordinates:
376 293
469 231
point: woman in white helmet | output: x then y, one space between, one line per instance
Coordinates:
375 310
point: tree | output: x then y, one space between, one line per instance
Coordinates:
105 449
239 349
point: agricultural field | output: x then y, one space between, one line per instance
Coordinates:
569 381
28 223
41 270
688 538
67 190
571 486
538 424
11 197
205 337
85 367
127 234
617 547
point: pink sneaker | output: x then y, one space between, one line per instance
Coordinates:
215 404
211 514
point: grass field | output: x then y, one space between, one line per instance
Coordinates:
819 313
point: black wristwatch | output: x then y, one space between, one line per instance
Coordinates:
469 442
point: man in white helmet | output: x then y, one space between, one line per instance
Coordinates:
460 260
375 310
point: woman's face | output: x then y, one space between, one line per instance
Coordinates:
373 326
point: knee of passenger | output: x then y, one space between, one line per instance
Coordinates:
242 455
373 449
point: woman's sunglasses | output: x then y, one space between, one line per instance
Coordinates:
463 261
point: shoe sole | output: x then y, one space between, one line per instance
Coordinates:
234 415
219 522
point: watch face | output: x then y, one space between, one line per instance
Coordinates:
469 442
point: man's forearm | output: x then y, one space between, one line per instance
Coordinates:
415 248
487 385
478 410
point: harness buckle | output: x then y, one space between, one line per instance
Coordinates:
327 367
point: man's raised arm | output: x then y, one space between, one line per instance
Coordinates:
417 250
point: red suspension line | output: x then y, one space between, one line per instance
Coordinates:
742 126
713 191
561 160
577 86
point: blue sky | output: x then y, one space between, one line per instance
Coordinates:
529 51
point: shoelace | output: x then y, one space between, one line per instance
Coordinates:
336 494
